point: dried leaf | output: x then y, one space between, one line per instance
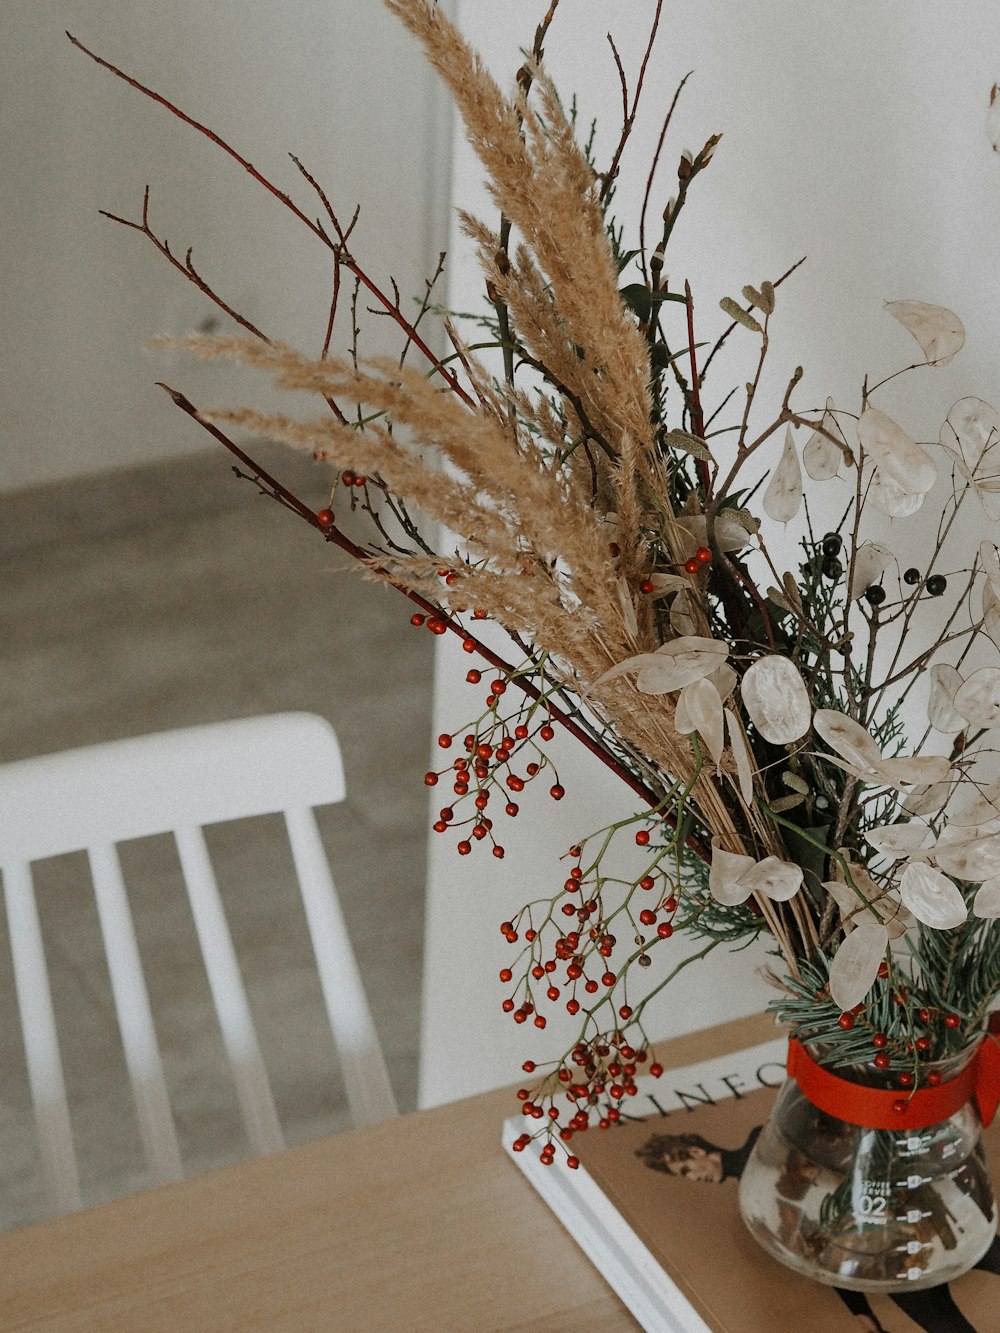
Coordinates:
686 443
991 613
938 330
728 534
776 700
914 770
741 316
683 620
783 497
855 967
763 299
945 683
971 435
931 897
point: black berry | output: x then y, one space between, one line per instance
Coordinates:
832 542
832 568
936 584
911 576
875 595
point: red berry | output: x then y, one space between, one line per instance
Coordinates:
846 1021
880 1040
464 848
546 732
436 625
647 586
656 1069
704 555
473 676
934 1077
647 917
498 852
572 1006
430 779
692 566
952 1021
557 792
511 809
325 518
642 837
882 1061
417 619
664 930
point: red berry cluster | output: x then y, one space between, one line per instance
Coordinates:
905 1046
597 1077
485 774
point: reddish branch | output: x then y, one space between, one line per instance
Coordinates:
333 534
343 257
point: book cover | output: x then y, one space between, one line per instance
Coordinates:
669 1237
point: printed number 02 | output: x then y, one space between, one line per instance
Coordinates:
870 1206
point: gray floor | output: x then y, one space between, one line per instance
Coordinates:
171 595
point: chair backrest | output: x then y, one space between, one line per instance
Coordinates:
178 782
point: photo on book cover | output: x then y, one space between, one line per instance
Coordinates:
672 1173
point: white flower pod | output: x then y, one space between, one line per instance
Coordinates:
776 879
855 967
724 680
928 799
898 840
727 533
704 709
776 700
978 806
941 714
821 456
971 436
987 900
850 740
989 558
991 613
666 583
683 621
972 854
724 877
978 698
783 497
914 770
938 330
931 897
904 472
741 755
672 666
870 562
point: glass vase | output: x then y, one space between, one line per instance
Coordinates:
871 1207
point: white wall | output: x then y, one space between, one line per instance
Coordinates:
335 81
855 134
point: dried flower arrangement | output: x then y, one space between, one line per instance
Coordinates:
609 524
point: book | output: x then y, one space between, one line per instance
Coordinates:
676 1250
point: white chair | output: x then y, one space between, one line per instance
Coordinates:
178 781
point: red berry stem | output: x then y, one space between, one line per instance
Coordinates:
332 533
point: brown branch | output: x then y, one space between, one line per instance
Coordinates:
186 267
609 176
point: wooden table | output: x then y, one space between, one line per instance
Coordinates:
415 1224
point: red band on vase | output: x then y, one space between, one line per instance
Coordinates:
888 1108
